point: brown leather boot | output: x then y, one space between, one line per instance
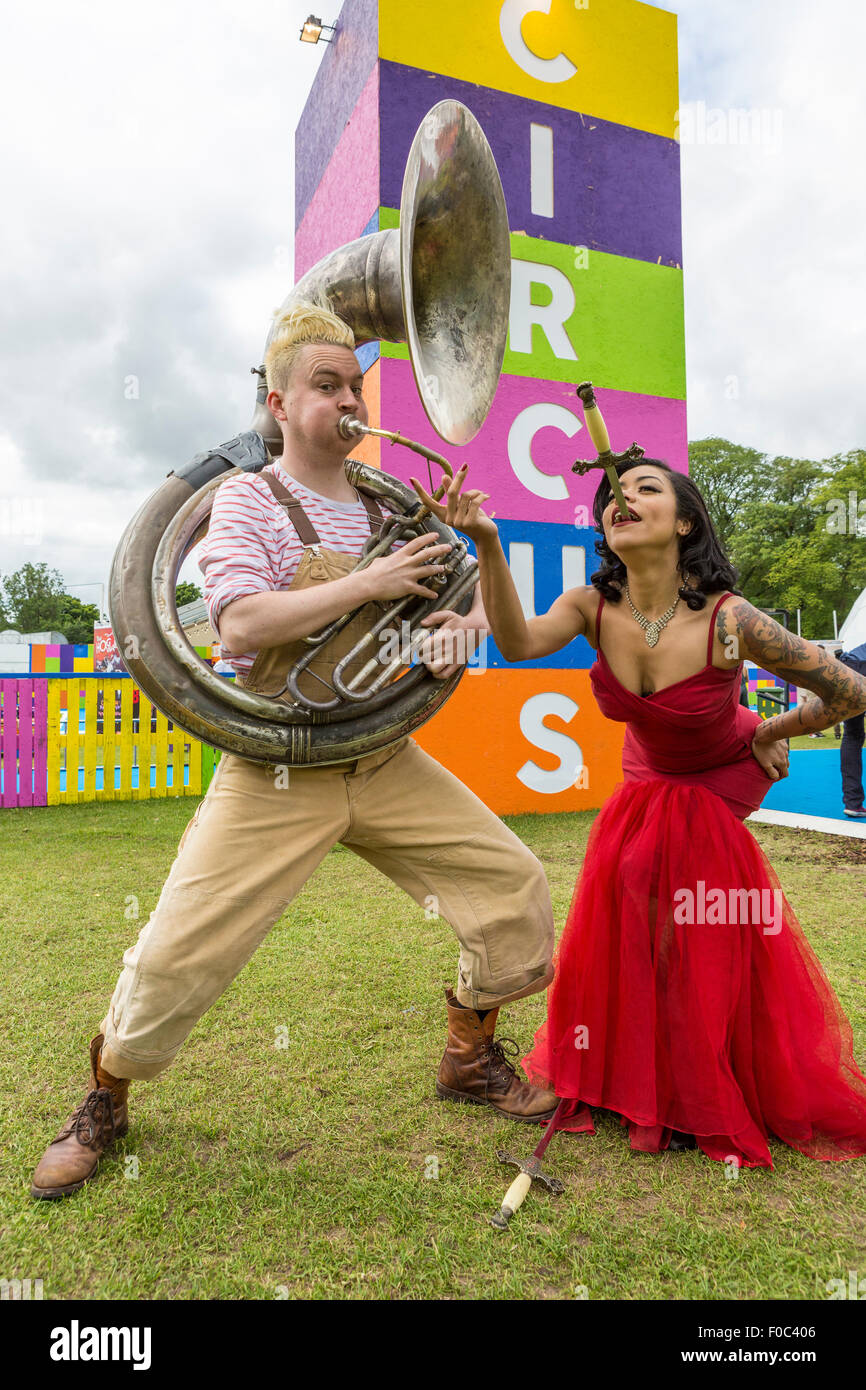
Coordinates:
475 1069
73 1157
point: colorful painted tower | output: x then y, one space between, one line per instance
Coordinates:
578 99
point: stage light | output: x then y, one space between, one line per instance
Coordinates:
312 30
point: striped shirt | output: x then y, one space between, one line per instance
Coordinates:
251 546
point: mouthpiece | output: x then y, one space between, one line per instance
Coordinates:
349 426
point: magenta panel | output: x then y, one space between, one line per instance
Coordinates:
655 422
348 193
40 743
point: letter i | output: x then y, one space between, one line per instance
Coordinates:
541 169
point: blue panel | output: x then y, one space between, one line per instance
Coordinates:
547 540
813 786
367 355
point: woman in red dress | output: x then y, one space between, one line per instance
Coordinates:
686 998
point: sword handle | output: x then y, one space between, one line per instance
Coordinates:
512 1200
594 418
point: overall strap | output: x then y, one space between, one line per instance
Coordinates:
713 627
301 522
374 511
307 533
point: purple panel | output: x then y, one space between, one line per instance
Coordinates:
615 189
67 660
339 82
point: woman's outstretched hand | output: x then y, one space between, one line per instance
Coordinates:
461 510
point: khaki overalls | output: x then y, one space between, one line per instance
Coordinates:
254 841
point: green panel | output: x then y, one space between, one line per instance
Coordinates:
626 328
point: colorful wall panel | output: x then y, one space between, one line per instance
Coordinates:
578 99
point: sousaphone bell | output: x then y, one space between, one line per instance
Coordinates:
441 284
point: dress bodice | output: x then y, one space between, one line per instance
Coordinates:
693 730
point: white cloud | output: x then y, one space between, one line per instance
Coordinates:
148 167
775 301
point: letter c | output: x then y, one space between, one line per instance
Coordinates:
511 17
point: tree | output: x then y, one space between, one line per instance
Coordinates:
794 529
77 619
32 598
186 593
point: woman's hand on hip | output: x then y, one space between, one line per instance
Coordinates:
772 755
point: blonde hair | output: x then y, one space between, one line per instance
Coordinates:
304 323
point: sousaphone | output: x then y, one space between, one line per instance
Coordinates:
441 284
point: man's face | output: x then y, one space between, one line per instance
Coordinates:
326 383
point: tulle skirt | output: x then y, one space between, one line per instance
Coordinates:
686 996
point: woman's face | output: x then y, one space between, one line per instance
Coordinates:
652 507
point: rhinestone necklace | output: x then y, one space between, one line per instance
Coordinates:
654 628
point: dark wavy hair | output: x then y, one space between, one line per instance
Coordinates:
701 554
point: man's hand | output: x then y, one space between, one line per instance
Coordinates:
772 754
452 642
461 510
404 572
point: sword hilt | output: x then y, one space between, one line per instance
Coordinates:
530 1171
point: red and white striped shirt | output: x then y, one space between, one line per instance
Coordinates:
251 546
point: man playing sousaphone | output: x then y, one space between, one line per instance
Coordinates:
278 564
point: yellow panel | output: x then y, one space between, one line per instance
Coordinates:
178 738
90 740
160 747
125 741
614 59
109 744
73 740
194 788
142 741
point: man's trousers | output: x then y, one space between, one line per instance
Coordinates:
253 843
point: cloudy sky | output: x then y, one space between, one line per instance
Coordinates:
147 156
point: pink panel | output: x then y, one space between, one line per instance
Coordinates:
348 193
40 744
8 746
25 741
656 423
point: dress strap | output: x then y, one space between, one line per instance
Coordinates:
713 627
307 533
598 622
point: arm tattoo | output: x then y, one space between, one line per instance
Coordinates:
841 692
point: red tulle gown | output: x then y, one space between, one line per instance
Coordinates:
676 1006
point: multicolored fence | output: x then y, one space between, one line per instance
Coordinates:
69 739
59 743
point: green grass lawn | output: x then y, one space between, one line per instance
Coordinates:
328 1168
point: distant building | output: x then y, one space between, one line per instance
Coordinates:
194 621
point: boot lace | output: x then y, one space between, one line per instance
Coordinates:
497 1056
93 1121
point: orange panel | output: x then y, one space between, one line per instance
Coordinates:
527 741
369 450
